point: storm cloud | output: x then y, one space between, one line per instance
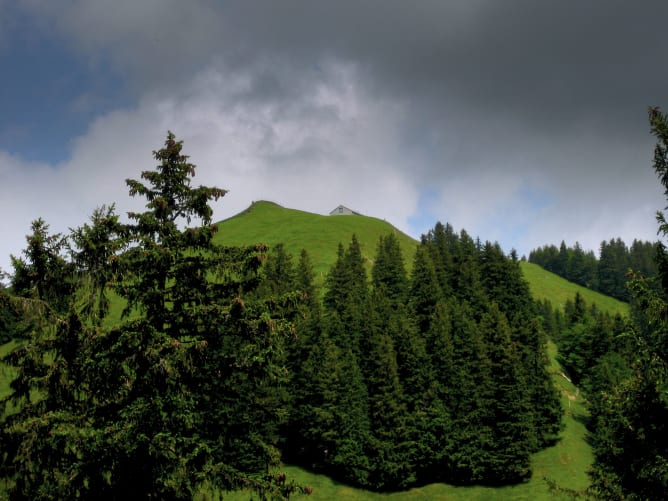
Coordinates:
521 121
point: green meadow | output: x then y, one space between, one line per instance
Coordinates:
269 223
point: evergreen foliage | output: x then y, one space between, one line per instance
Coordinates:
13 324
44 274
452 362
228 359
182 394
388 270
95 248
630 410
605 274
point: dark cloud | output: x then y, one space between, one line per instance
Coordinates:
547 63
483 79
519 120
519 51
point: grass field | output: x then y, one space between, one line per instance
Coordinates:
270 224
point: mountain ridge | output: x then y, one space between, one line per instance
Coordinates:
270 223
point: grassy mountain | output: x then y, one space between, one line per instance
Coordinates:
269 223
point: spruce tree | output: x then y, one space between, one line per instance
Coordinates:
177 395
330 417
95 250
504 283
469 386
443 245
508 412
390 448
279 274
304 278
469 284
388 269
435 414
425 291
346 294
43 273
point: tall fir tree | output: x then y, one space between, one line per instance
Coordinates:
388 269
508 412
43 272
469 386
390 446
425 291
171 398
95 250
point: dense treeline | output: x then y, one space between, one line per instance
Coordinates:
606 274
589 341
440 376
227 359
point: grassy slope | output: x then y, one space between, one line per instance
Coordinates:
547 285
269 223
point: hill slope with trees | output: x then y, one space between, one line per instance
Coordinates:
270 224
606 274
382 371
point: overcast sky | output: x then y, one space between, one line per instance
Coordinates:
521 121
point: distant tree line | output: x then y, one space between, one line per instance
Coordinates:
606 274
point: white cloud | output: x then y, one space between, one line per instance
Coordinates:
333 145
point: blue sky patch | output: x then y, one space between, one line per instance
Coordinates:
49 94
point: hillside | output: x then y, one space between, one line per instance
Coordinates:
547 285
565 462
270 224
